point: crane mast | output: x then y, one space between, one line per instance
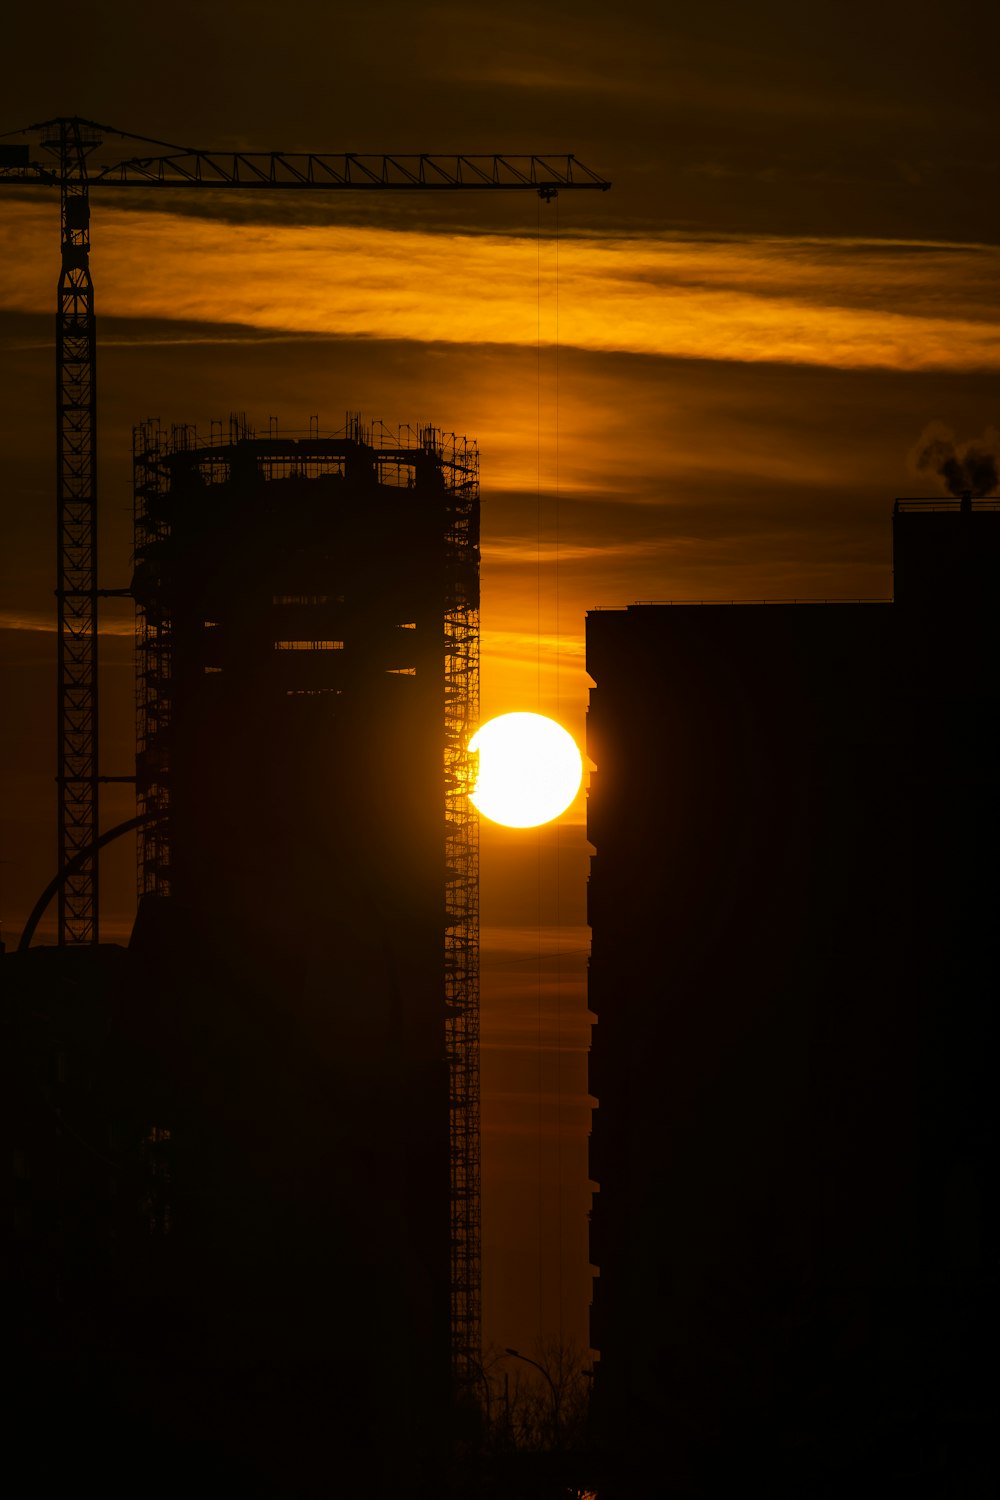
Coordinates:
76 547
72 143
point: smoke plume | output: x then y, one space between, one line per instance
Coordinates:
964 468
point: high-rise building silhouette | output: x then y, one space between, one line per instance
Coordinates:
793 908
291 1079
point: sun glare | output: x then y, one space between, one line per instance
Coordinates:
529 770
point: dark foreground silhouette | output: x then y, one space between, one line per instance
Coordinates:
793 902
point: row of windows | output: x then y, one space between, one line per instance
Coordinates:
308 645
392 672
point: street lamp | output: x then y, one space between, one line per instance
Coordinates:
556 1429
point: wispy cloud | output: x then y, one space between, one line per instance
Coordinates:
518 643
845 304
45 624
645 56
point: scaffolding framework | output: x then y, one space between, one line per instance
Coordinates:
462 912
400 459
151 448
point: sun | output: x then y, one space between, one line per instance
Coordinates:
529 770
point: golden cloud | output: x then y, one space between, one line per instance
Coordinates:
850 304
46 624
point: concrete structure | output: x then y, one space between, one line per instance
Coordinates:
793 897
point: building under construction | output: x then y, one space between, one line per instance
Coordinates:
307 937
278 1084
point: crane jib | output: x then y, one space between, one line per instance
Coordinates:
344 173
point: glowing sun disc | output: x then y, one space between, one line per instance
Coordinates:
529 770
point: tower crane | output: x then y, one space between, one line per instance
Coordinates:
71 163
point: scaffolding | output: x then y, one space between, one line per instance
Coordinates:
461 975
151 448
409 458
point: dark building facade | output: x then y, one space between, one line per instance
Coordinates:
91 1288
792 902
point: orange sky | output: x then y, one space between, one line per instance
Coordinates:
848 304
707 387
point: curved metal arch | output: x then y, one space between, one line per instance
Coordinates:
38 910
